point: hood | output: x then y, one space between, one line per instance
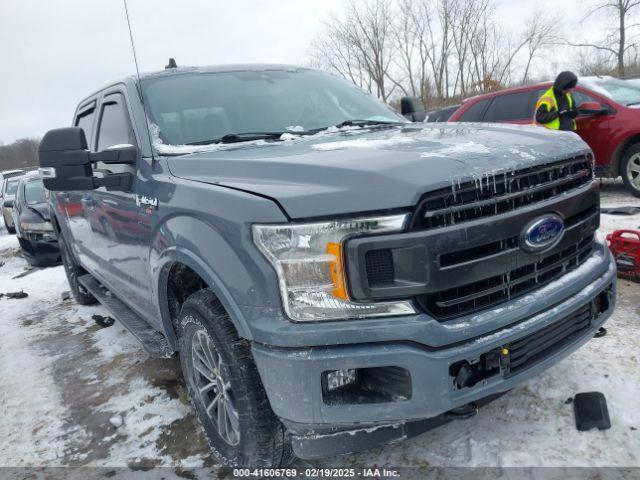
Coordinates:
565 80
353 172
39 210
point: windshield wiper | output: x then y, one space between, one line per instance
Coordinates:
633 103
242 137
359 123
362 123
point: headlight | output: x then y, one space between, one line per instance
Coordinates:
309 262
36 227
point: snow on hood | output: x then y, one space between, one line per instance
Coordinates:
357 171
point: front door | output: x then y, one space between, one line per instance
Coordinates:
120 228
593 128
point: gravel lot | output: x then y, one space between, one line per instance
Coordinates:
75 394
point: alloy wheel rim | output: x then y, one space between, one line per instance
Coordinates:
633 170
214 388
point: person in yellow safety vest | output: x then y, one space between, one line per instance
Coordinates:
555 108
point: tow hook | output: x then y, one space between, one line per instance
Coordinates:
600 333
465 411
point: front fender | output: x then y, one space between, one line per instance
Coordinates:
223 255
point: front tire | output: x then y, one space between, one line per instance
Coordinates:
73 271
225 387
11 230
630 169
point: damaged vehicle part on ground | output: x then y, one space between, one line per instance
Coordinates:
332 276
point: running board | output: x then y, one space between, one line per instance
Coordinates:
154 343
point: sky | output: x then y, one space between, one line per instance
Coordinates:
55 52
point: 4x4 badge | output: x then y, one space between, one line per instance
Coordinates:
147 202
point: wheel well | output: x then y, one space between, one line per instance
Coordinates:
182 281
618 153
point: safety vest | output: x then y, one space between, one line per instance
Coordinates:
548 98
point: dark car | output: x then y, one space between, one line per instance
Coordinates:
441 114
608 120
331 276
33 223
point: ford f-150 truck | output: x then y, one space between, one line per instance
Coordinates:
331 275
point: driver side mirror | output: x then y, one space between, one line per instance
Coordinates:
66 163
412 109
592 108
8 204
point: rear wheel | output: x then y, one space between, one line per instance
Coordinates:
630 169
73 271
225 387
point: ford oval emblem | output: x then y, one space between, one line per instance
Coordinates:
542 233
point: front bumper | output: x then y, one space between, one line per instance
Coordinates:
40 248
292 376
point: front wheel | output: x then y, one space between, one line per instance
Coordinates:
225 387
11 230
630 170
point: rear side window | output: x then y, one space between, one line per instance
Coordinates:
514 106
12 187
475 112
85 122
115 128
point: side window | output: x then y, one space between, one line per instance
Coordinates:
581 97
85 121
115 127
475 112
514 106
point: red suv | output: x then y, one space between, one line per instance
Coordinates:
608 120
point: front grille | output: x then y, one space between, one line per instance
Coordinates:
488 292
496 194
529 350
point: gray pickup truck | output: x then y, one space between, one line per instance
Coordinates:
331 275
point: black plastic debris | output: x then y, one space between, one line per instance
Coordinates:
626 210
65 295
568 401
104 322
14 295
591 411
600 333
1 264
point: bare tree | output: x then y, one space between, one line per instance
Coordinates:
620 41
20 154
539 32
360 46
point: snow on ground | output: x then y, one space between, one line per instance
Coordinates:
107 411
75 394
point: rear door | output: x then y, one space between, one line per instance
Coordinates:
72 205
120 230
511 108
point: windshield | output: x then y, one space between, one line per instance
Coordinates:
203 107
34 192
621 91
12 187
